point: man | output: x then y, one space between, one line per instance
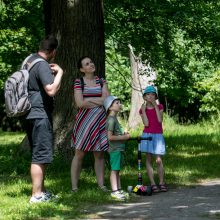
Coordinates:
44 82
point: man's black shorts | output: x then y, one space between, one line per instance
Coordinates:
40 135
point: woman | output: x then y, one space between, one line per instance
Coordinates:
89 133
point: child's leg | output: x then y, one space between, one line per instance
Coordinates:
150 168
114 179
119 180
160 169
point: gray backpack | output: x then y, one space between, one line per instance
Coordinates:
16 90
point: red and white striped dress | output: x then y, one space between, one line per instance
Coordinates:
89 132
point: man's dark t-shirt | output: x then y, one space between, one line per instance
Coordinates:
40 75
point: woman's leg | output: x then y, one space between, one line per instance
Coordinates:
76 167
99 167
150 171
160 169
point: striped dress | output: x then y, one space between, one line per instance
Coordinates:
89 132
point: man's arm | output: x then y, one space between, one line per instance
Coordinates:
52 89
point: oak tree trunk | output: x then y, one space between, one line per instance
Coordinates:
79 27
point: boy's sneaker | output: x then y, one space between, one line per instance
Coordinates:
118 196
126 195
47 194
44 197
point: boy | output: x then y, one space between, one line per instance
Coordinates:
116 138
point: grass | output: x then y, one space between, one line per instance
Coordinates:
193 154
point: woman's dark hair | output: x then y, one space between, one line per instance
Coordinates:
79 63
48 44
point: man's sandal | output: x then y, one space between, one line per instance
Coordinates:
163 188
155 189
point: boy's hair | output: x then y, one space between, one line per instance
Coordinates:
48 44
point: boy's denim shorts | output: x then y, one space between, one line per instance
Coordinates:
116 160
155 146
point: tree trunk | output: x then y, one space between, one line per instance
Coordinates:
79 27
136 96
142 75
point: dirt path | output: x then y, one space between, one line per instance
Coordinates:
184 203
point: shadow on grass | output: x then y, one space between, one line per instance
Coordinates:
189 159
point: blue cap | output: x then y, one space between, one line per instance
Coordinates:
150 89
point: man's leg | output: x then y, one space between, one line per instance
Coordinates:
37 176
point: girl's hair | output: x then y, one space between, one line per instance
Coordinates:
48 44
79 63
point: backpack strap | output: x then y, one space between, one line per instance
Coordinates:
28 65
25 61
82 83
101 82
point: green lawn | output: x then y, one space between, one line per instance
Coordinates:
193 155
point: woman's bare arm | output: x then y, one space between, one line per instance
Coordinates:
90 102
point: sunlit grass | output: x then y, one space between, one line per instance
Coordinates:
193 155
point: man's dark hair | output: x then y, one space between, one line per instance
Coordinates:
48 44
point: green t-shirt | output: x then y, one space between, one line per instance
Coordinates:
113 125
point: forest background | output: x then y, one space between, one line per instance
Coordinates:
178 39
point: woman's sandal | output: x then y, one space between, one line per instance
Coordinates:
155 189
163 188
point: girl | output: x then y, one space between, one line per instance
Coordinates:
152 116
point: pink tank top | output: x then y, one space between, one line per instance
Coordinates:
155 127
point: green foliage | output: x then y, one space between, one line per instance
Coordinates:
179 38
118 75
192 152
21 28
211 88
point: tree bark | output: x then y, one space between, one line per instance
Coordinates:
136 96
79 27
141 77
